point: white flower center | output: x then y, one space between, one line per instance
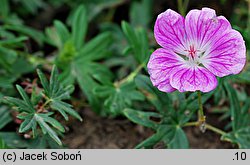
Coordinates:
194 56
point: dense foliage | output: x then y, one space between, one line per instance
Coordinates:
101 50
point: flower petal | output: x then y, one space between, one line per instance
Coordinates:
160 66
193 79
169 31
222 49
226 55
202 26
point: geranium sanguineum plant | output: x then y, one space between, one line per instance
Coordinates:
195 50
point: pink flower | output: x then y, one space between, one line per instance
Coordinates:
194 51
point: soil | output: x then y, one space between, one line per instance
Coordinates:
106 133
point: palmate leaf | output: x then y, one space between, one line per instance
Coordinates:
55 93
24 96
142 118
13 140
28 123
241 137
171 135
24 105
46 129
64 93
31 121
155 138
138 41
87 83
179 140
78 60
87 72
118 98
161 100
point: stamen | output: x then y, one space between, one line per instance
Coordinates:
192 51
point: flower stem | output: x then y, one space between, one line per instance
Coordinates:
207 126
217 130
131 76
182 6
201 116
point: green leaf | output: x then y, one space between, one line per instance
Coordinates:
171 135
52 122
66 78
141 13
44 82
11 42
20 104
60 110
46 128
32 5
44 121
62 32
88 74
8 57
28 123
64 93
235 108
54 83
118 98
5 116
138 41
179 140
160 100
4 8
79 26
142 118
6 82
240 137
25 96
56 93
13 140
162 130
96 48
244 77
2 144
61 106
34 34
164 133
52 37
53 89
